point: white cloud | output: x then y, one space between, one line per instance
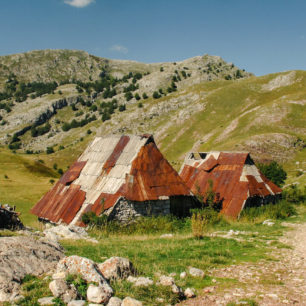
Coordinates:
119 48
79 3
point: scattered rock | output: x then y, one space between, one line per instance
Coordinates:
80 265
209 289
175 289
67 232
159 300
59 275
114 301
98 294
128 301
268 222
196 272
116 268
166 280
76 303
46 300
166 236
58 287
22 255
140 281
183 275
189 293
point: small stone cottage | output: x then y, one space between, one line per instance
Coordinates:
234 176
120 176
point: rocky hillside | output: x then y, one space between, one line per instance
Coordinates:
60 99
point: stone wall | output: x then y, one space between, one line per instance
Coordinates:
125 210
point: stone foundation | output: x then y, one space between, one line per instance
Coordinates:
125 210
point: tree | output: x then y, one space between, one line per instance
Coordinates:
161 69
122 108
274 172
145 96
137 97
156 95
49 150
140 105
128 96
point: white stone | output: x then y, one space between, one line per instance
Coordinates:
268 222
140 281
166 236
116 268
128 301
59 275
76 303
196 272
189 293
114 301
97 294
159 300
58 287
46 300
166 280
175 289
183 275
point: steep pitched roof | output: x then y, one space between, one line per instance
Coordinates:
110 168
234 175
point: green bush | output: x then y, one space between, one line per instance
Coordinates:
294 194
280 210
274 172
49 150
201 219
122 107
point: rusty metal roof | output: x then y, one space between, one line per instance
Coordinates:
112 167
234 175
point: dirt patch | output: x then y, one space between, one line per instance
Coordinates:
279 282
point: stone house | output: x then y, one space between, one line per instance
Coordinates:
235 179
120 176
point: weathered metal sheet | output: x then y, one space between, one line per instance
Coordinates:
112 159
131 167
234 176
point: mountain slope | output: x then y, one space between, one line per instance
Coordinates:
263 115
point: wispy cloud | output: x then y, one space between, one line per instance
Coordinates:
79 3
119 48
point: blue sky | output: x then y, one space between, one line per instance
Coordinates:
261 36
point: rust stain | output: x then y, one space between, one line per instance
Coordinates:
111 162
225 173
149 176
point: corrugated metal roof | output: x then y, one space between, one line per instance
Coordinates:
111 167
234 175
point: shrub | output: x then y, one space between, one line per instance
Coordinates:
89 132
60 171
161 69
140 105
128 96
54 166
274 172
122 108
280 210
293 194
156 95
145 96
51 181
49 150
15 146
137 96
201 219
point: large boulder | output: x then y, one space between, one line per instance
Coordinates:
116 268
72 232
22 255
89 271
